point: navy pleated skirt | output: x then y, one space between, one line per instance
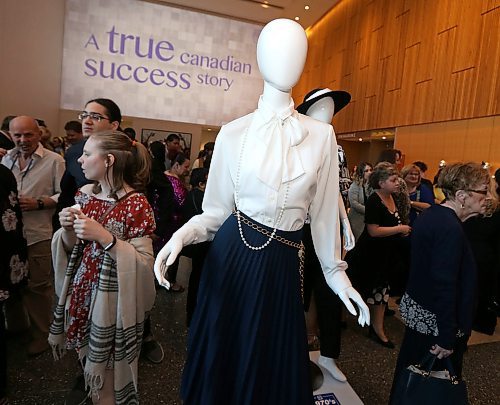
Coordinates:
247 342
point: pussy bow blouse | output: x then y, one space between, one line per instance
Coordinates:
312 178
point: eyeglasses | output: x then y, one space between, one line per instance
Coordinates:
483 192
93 116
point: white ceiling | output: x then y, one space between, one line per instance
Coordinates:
253 10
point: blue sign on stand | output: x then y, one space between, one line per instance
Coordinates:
326 399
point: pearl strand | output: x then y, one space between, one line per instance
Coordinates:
236 195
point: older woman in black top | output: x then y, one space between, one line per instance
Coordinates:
438 305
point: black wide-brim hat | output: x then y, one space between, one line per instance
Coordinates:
340 99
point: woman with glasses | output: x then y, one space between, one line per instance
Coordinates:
378 250
483 232
357 198
438 305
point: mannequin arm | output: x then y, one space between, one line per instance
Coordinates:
349 240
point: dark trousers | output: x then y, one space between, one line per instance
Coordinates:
413 349
328 305
198 253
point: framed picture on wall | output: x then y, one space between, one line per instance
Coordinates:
151 135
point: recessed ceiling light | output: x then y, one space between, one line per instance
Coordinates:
306 7
360 139
209 129
297 18
384 137
264 6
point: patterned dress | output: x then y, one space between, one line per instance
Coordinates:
132 218
14 257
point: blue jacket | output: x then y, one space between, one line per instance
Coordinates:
443 275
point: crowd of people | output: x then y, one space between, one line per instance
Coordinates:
76 209
441 261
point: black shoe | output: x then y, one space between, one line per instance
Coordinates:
78 394
153 351
373 336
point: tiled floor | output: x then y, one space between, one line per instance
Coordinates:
367 365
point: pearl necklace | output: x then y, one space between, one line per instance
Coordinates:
237 200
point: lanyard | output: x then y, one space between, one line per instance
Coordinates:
26 170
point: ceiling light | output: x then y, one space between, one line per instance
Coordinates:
297 18
360 139
384 137
306 7
209 129
264 6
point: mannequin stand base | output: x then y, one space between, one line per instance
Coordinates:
342 390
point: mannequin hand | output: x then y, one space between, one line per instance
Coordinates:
349 240
350 293
167 255
440 352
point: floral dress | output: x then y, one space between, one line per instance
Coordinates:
131 218
14 256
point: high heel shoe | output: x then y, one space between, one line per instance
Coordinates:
373 336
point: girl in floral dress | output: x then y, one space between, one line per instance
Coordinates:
107 286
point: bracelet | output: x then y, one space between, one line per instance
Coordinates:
110 244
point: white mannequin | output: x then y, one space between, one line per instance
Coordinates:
323 110
281 55
283 174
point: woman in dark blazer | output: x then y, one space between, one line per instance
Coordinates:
438 305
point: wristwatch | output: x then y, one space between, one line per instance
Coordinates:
40 203
110 244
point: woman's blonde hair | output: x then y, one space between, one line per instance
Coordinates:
408 168
462 176
132 163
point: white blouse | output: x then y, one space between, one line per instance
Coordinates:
313 188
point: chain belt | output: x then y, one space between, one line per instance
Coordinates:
297 245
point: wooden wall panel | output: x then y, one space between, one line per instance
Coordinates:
407 62
488 90
474 140
488 5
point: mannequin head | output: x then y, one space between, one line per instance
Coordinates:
322 110
281 53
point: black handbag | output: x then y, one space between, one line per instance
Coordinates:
418 384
